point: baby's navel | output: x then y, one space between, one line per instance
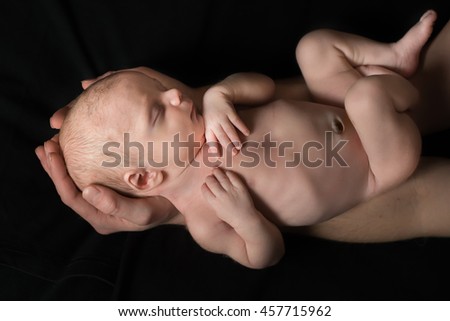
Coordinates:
337 125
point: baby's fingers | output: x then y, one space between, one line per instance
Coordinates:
207 193
239 124
210 189
233 139
224 140
211 140
235 180
216 186
223 179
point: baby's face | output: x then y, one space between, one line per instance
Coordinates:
164 121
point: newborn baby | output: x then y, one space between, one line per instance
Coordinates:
297 163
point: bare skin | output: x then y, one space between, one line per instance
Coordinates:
324 191
419 207
55 171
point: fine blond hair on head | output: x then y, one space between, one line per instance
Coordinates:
83 135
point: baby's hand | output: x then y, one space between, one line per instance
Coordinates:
221 120
229 196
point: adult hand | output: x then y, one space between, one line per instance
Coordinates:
104 209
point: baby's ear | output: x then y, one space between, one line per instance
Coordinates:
143 179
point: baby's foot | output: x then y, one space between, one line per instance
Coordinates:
408 48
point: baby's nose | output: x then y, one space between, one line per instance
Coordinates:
174 96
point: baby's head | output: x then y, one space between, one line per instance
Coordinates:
119 133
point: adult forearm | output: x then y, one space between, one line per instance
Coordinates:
416 208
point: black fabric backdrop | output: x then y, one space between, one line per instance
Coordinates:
48 253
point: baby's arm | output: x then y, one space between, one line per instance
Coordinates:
220 115
378 107
291 89
239 230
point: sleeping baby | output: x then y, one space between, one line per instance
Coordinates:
236 177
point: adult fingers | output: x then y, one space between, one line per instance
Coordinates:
46 153
140 211
40 153
68 195
72 197
88 82
57 118
52 146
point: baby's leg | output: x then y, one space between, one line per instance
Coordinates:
432 79
331 61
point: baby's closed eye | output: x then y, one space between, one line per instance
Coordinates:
157 110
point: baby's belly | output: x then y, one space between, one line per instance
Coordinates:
297 198
312 165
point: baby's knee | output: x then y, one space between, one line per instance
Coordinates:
364 90
313 43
